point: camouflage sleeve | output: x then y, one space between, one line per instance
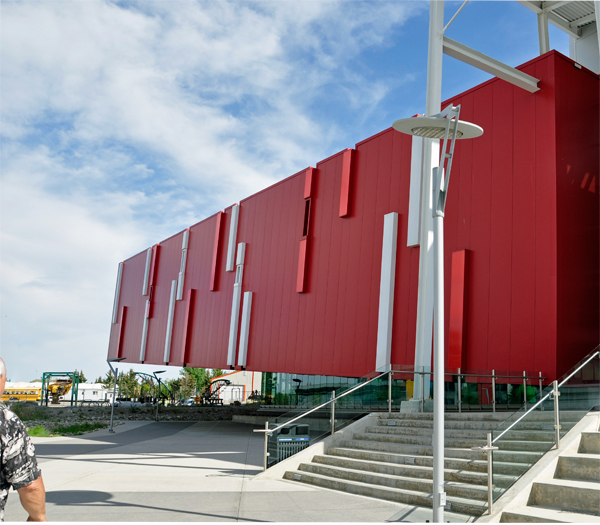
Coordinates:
19 466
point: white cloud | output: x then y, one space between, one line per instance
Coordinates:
123 122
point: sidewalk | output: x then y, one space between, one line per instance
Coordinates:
185 471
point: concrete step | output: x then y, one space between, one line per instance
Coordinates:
451 416
590 443
422 499
428 423
421 431
579 467
506 456
512 470
461 490
413 471
572 496
525 445
543 515
418 440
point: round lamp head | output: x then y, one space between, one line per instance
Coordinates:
435 128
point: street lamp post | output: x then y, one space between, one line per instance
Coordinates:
115 375
446 126
159 383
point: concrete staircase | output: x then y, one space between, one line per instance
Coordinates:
392 459
572 496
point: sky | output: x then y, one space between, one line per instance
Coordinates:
124 122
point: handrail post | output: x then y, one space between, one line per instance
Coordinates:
489 448
422 390
525 389
490 474
556 414
265 462
390 393
541 388
333 412
493 391
459 393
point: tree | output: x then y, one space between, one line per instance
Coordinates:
108 381
200 377
82 378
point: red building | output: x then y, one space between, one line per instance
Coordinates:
521 251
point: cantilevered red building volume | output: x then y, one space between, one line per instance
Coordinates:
291 279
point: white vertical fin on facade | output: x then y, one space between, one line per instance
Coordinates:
235 304
147 271
117 293
386 292
414 199
181 277
235 211
145 331
170 316
245 328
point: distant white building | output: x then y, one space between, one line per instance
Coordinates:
90 392
243 383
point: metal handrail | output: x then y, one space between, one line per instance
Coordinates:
270 431
595 354
463 374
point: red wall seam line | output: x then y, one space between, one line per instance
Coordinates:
300 280
457 309
121 332
213 272
345 188
308 182
191 295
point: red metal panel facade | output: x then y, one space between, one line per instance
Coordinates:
523 202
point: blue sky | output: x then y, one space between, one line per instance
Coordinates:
125 122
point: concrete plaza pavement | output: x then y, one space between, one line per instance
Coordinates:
185 471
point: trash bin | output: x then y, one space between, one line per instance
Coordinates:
291 440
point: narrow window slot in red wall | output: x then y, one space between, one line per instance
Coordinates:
213 272
300 280
306 218
121 332
458 295
191 295
345 188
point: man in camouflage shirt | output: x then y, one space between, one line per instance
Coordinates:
18 466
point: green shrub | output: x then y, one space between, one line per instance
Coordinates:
39 431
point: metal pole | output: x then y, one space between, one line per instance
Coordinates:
112 410
439 496
158 380
422 376
390 393
459 392
525 389
493 391
541 388
556 415
333 413
266 451
490 474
